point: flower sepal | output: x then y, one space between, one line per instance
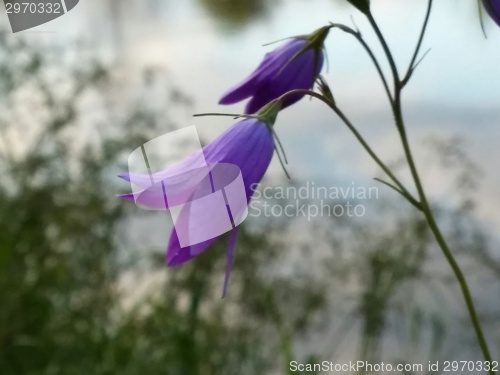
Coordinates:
314 41
325 89
362 5
269 113
317 38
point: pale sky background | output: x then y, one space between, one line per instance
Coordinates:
455 91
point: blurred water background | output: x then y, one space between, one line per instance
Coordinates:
82 278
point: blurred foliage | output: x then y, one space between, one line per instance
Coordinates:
239 13
395 258
236 13
56 248
61 285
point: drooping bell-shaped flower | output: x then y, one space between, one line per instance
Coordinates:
247 145
493 9
294 65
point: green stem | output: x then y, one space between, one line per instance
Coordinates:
374 156
386 48
368 50
430 218
413 62
402 189
424 203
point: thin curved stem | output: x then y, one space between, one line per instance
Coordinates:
429 216
367 48
412 66
424 203
386 48
395 188
233 115
401 188
481 18
374 156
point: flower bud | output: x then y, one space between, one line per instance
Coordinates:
493 9
362 5
325 89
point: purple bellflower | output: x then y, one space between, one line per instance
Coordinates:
493 9
294 65
249 144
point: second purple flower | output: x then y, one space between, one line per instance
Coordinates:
294 65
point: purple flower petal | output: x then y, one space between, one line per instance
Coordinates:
249 145
493 9
177 255
276 75
297 75
229 261
273 62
